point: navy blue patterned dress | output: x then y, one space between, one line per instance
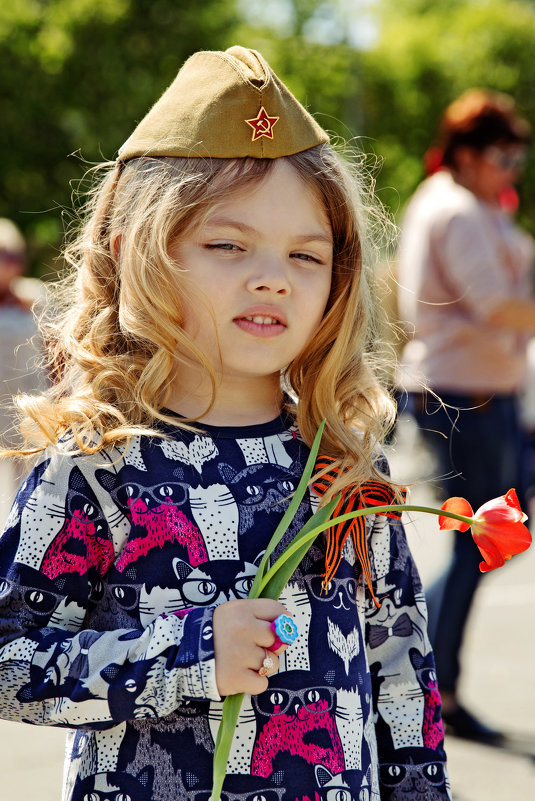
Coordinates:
110 568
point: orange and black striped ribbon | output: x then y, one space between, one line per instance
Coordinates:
371 493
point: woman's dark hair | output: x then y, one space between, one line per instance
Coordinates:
477 119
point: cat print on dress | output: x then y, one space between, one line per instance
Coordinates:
115 786
34 602
261 489
334 621
83 543
407 781
299 722
339 787
125 657
213 583
400 699
155 513
118 599
70 525
424 667
235 788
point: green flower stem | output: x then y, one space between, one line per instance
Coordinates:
312 533
230 713
232 704
290 512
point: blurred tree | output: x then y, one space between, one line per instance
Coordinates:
427 53
75 76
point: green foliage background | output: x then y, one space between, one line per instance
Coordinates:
76 75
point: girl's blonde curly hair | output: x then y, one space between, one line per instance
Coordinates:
114 328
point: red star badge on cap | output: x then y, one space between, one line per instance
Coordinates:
262 124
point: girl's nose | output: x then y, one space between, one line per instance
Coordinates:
269 276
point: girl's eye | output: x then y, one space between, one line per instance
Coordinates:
307 258
225 246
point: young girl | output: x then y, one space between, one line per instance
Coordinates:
218 311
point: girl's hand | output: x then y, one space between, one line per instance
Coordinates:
242 632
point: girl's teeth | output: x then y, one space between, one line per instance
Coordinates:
262 320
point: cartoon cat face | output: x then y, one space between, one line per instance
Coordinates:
426 782
159 514
117 600
259 486
260 491
298 721
31 600
214 582
424 667
237 788
117 786
83 543
129 490
339 787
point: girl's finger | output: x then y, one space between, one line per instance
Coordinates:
270 664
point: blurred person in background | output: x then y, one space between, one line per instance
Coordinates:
465 277
19 353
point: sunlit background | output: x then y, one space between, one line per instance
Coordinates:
75 76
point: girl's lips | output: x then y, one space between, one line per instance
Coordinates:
262 322
260 325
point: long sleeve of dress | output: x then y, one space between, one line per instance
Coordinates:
60 661
409 730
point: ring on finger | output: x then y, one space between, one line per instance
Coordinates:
267 665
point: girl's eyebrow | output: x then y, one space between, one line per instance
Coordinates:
228 222
315 236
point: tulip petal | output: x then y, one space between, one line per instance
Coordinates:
509 539
458 506
499 532
511 499
504 510
490 552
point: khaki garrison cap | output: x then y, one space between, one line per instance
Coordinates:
225 105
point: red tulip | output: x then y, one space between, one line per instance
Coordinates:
497 527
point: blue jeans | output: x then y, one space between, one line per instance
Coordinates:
477 443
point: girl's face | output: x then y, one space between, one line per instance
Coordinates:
263 262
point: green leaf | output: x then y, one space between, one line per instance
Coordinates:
225 733
289 515
286 565
232 704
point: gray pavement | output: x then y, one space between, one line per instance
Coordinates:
498 680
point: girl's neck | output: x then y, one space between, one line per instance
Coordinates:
237 403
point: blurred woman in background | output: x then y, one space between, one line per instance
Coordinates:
464 275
